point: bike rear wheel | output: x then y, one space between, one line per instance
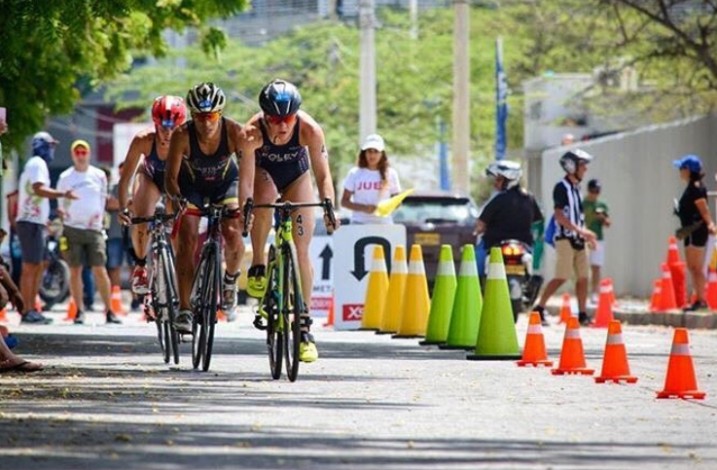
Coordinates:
293 307
274 330
170 301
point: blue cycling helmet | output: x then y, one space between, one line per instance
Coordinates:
43 146
280 98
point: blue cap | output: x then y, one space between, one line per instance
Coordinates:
691 162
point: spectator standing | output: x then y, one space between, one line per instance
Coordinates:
83 221
571 238
596 219
371 181
33 213
696 223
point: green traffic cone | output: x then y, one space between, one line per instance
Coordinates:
467 304
444 292
497 338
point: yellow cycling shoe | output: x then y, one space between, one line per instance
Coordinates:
307 349
256 281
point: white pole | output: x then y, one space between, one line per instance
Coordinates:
413 15
461 96
367 86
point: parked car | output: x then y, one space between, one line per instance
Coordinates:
435 218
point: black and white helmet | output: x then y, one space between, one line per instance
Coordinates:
572 158
508 169
206 98
280 98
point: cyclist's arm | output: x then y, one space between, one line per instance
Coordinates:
313 136
137 148
249 139
177 148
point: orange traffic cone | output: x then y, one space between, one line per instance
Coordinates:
565 310
680 381
603 317
656 292
673 251
534 353
679 283
116 301
38 304
572 357
71 310
221 316
667 295
614 364
3 314
711 295
330 317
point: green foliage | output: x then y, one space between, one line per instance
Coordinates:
52 51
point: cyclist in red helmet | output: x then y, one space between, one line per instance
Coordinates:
168 112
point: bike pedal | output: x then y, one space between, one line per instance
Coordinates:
259 324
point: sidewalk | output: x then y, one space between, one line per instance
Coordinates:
637 312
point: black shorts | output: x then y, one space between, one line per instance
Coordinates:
197 193
32 241
698 238
155 174
284 173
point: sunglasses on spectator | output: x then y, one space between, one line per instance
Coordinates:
276 120
210 117
81 152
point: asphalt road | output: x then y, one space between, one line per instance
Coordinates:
106 400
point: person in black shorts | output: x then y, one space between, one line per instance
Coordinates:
201 165
290 143
696 223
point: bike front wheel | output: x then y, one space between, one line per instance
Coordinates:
275 328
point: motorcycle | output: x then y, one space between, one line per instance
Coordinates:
55 286
523 285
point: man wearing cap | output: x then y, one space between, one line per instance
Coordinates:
596 218
33 213
696 223
83 220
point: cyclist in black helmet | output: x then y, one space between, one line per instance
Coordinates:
291 142
200 166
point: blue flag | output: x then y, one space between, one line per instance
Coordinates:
501 102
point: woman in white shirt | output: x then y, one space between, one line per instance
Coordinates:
371 181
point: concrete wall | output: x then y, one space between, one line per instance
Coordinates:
639 184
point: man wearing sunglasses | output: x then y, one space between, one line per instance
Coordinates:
291 142
83 226
152 143
201 168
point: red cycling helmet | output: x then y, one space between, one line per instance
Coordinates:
169 111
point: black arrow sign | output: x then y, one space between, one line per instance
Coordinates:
326 255
359 271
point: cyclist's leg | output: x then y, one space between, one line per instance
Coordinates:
233 248
186 246
303 221
264 193
145 198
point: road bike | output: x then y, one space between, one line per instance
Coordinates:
281 308
162 303
206 290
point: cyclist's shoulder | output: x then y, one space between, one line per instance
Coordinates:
309 128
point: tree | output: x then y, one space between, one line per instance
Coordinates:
49 51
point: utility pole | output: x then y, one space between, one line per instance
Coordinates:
461 96
367 71
413 15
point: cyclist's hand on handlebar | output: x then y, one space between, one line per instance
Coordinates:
330 220
125 217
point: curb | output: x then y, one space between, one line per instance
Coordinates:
676 319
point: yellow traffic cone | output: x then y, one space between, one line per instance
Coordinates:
497 338
417 303
467 305
393 307
444 291
375 299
